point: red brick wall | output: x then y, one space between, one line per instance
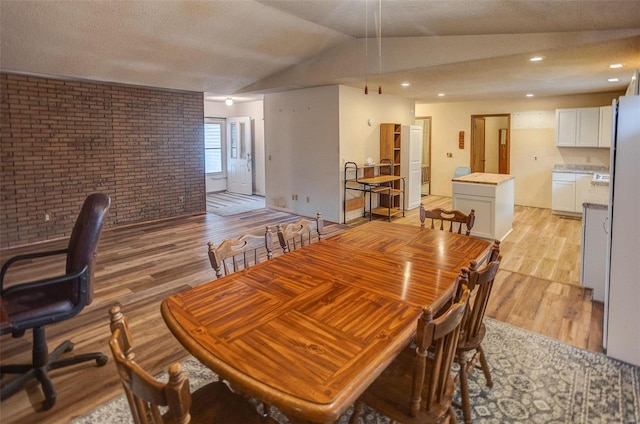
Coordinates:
61 140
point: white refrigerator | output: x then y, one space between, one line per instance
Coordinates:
621 333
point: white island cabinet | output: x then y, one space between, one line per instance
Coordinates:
491 196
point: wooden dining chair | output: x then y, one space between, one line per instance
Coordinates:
417 387
454 219
234 255
213 403
300 233
479 283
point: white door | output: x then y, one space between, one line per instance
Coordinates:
413 152
239 166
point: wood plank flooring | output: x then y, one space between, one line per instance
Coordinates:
224 201
141 265
543 245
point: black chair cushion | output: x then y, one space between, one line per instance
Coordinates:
31 308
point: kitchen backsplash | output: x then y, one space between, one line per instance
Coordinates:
580 167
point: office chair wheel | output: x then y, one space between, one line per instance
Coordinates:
102 360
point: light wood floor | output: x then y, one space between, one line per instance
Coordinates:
139 266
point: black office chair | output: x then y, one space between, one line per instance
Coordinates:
33 305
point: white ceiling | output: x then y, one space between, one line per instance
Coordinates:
468 49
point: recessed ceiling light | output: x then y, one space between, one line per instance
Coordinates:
529 95
229 101
613 80
536 59
441 94
615 66
405 84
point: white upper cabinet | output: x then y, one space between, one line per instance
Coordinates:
566 124
606 126
578 127
588 127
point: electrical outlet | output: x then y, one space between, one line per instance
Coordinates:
181 199
294 197
47 217
307 199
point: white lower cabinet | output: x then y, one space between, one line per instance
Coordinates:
583 185
594 250
568 192
564 196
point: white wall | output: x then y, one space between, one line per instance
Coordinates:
532 134
311 133
302 151
255 111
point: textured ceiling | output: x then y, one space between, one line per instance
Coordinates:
468 49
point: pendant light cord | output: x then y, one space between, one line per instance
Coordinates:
379 46
366 46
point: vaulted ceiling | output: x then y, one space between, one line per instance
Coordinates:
467 49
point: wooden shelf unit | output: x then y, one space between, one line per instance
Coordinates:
390 148
373 179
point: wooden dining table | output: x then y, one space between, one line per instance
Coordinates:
308 331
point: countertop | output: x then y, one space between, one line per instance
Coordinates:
483 178
581 169
597 197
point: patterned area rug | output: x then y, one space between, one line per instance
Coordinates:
536 380
226 204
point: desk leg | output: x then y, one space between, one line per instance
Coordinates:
404 193
364 203
389 202
370 202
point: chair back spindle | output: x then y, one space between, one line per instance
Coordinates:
301 233
234 255
451 221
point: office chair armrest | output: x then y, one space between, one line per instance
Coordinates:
45 282
17 258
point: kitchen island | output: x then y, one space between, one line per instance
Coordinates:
492 197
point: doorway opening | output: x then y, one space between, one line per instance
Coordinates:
425 123
490 143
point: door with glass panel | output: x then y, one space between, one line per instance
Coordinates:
239 166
